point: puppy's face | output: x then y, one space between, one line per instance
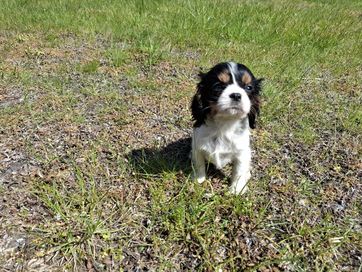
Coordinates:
229 90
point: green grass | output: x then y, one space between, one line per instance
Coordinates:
94 96
90 67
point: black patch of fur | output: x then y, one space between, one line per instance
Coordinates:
255 103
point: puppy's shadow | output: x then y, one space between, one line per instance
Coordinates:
173 157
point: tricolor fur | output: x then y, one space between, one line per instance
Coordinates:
225 105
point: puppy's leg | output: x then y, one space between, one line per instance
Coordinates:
241 173
198 165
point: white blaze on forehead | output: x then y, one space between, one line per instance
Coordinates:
233 70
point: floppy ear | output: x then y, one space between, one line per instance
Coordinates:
197 109
255 103
258 84
254 111
201 75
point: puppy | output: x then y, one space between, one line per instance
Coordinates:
224 107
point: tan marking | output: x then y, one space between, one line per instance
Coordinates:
246 78
224 77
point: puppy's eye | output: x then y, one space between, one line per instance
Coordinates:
249 87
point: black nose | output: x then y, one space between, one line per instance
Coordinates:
235 96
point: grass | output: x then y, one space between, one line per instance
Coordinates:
94 96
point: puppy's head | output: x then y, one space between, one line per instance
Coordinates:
230 91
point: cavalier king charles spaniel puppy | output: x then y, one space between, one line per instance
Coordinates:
225 105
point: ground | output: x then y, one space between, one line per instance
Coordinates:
95 133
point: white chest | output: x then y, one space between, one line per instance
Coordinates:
221 147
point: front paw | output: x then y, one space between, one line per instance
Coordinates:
235 190
199 179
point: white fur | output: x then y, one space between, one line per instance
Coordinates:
221 142
224 138
227 107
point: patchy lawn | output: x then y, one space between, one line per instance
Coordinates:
95 134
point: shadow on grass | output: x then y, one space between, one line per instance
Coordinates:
172 158
175 157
